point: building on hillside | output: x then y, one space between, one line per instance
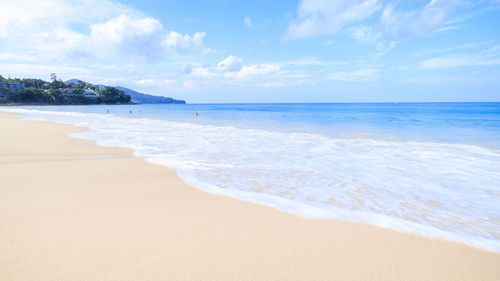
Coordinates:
67 90
13 87
88 93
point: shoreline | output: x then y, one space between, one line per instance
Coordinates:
141 221
297 207
48 104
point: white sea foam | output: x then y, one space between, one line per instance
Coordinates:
436 189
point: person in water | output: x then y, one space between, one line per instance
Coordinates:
196 113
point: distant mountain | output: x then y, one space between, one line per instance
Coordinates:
145 98
137 96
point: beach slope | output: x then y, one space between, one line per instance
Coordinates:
72 210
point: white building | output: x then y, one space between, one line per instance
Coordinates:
67 90
13 87
88 93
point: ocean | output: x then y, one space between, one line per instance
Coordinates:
426 168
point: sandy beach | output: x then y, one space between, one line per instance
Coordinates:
72 210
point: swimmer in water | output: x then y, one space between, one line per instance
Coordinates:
107 110
130 111
195 113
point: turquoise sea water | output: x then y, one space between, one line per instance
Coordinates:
426 168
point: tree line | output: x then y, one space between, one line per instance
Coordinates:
38 91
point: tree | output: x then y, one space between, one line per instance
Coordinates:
58 95
56 84
113 95
124 98
33 83
81 84
11 96
32 95
58 92
76 97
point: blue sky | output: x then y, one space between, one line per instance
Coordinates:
262 51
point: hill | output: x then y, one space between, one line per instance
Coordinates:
138 96
145 98
22 91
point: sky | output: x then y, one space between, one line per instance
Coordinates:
230 51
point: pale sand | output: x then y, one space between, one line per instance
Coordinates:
71 210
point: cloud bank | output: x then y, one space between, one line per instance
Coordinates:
104 29
382 23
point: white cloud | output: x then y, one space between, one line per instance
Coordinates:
248 22
185 68
127 36
279 74
28 70
490 56
230 64
364 34
184 43
254 70
56 30
427 52
362 75
203 72
281 84
394 24
446 28
310 61
446 62
458 61
317 17
153 83
18 57
451 79
367 34
233 68
141 38
278 84
208 51
61 44
400 24
32 16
